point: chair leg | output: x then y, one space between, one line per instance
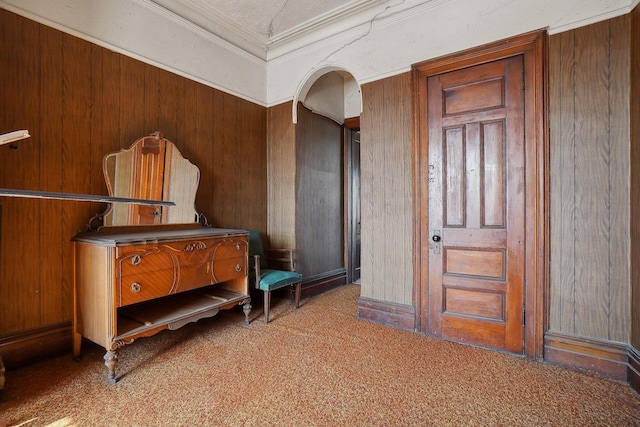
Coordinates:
267 304
298 290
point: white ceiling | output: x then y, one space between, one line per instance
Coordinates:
257 26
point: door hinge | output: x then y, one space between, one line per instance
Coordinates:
524 317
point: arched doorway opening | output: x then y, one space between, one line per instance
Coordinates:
333 93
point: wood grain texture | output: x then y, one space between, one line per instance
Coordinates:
20 285
561 117
319 184
81 102
281 157
386 192
619 170
635 184
589 119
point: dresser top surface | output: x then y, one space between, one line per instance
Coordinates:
150 236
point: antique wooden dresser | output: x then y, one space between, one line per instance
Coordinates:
150 267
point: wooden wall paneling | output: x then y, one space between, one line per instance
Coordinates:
20 297
383 187
151 103
55 303
76 155
370 134
304 150
318 193
110 136
253 162
619 169
159 114
562 171
94 138
132 98
168 91
203 151
234 132
589 119
216 177
386 190
187 113
635 187
592 183
400 190
105 80
633 372
281 171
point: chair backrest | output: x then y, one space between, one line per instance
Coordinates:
256 248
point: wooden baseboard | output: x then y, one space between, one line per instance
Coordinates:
400 316
319 283
606 358
35 345
633 369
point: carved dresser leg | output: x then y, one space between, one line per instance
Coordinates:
246 309
110 361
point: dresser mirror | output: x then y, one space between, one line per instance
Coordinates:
151 169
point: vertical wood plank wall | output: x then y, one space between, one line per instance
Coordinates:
318 194
589 172
80 102
281 154
386 193
635 180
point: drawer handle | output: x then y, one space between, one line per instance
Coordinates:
195 246
135 260
136 287
237 246
238 268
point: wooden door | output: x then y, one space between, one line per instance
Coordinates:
476 200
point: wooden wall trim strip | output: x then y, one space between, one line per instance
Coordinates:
318 283
605 358
633 368
401 316
24 348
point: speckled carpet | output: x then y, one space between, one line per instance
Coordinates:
316 366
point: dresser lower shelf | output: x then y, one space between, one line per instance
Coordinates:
173 312
170 312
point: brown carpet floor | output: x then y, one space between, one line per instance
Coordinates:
316 366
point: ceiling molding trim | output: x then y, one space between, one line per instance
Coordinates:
364 20
219 23
591 20
358 8
196 29
408 12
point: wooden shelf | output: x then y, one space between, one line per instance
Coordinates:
174 311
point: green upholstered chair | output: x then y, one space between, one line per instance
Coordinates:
267 279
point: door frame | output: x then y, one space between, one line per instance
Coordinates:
350 124
533 47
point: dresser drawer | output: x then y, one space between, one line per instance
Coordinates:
231 248
134 288
229 268
142 261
